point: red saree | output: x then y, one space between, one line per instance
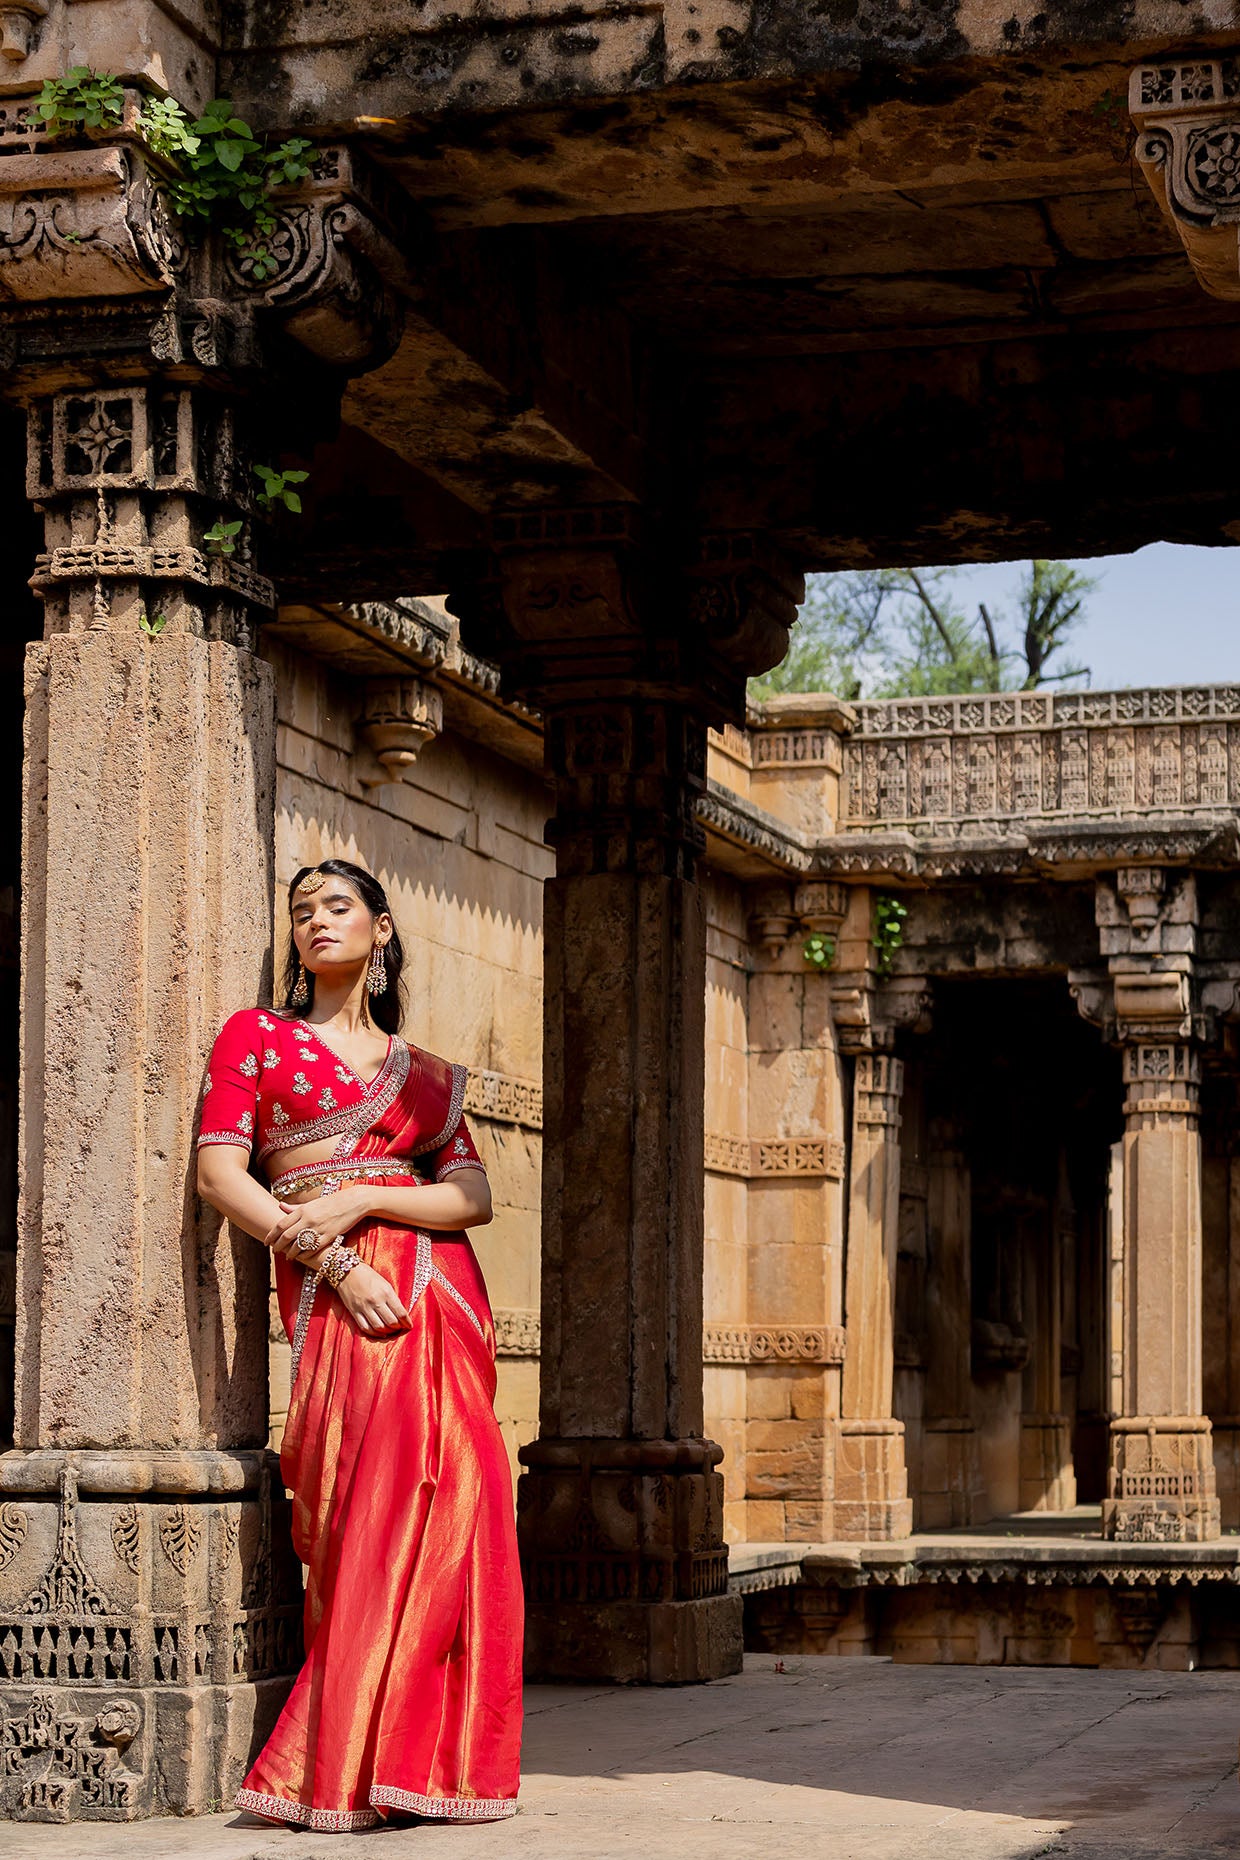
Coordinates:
410 1697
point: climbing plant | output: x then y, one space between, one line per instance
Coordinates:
819 950
889 915
224 174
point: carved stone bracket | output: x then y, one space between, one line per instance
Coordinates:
400 716
19 27
1188 148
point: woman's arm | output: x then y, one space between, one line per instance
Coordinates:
464 1200
225 1181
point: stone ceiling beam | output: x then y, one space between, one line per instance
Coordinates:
1059 446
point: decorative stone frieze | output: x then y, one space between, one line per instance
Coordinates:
939 762
19 27
517 1334
1188 143
762 1157
765 1343
496 1097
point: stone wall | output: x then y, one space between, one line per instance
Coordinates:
458 844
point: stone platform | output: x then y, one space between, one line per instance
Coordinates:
812 1757
1036 1589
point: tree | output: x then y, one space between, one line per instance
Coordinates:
905 633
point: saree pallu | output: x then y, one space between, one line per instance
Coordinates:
410 1697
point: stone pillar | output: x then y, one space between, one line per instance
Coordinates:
150 1619
795 1221
620 1505
871 1486
952 1492
1161 1479
149 1600
1047 1480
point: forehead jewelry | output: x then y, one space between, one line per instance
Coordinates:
313 881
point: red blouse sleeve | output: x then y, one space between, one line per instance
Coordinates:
230 1088
459 1152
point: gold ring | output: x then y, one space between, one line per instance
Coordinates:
308 1241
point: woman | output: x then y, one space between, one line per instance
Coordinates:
410 1697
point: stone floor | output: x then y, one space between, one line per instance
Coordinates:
814 1759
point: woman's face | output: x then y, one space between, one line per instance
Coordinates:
334 930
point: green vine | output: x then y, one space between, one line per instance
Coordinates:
889 915
224 175
819 951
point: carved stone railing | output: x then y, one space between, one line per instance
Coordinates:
939 763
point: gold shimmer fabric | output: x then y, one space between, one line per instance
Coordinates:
410 1697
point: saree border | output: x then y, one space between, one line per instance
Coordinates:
456 1104
382 1795
444 1807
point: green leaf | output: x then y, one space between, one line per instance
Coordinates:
292 502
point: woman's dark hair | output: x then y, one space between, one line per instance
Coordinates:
386 1010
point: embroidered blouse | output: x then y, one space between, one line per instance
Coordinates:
272 1084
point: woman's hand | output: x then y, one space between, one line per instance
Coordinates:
371 1302
330 1217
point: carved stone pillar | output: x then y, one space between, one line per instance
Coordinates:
871 1485
1161 1479
620 1505
952 1492
149 1601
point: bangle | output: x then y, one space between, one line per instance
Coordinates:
337 1264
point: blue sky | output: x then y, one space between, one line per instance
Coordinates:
1168 615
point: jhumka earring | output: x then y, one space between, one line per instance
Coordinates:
376 974
301 989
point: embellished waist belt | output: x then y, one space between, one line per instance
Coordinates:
328 1176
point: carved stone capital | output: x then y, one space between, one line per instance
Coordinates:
744 595
1188 148
88 219
400 716
572 596
82 223
132 482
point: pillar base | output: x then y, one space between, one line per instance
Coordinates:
1161 1485
952 1493
871 1483
635 1643
1047 1476
150 1625
625 1567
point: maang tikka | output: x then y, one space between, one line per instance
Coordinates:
376 974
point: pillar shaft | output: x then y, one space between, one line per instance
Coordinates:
1161 1480
952 1492
620 1508
871 1483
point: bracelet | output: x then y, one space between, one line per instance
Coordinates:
337 1264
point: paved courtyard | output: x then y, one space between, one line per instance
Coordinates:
814 1759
